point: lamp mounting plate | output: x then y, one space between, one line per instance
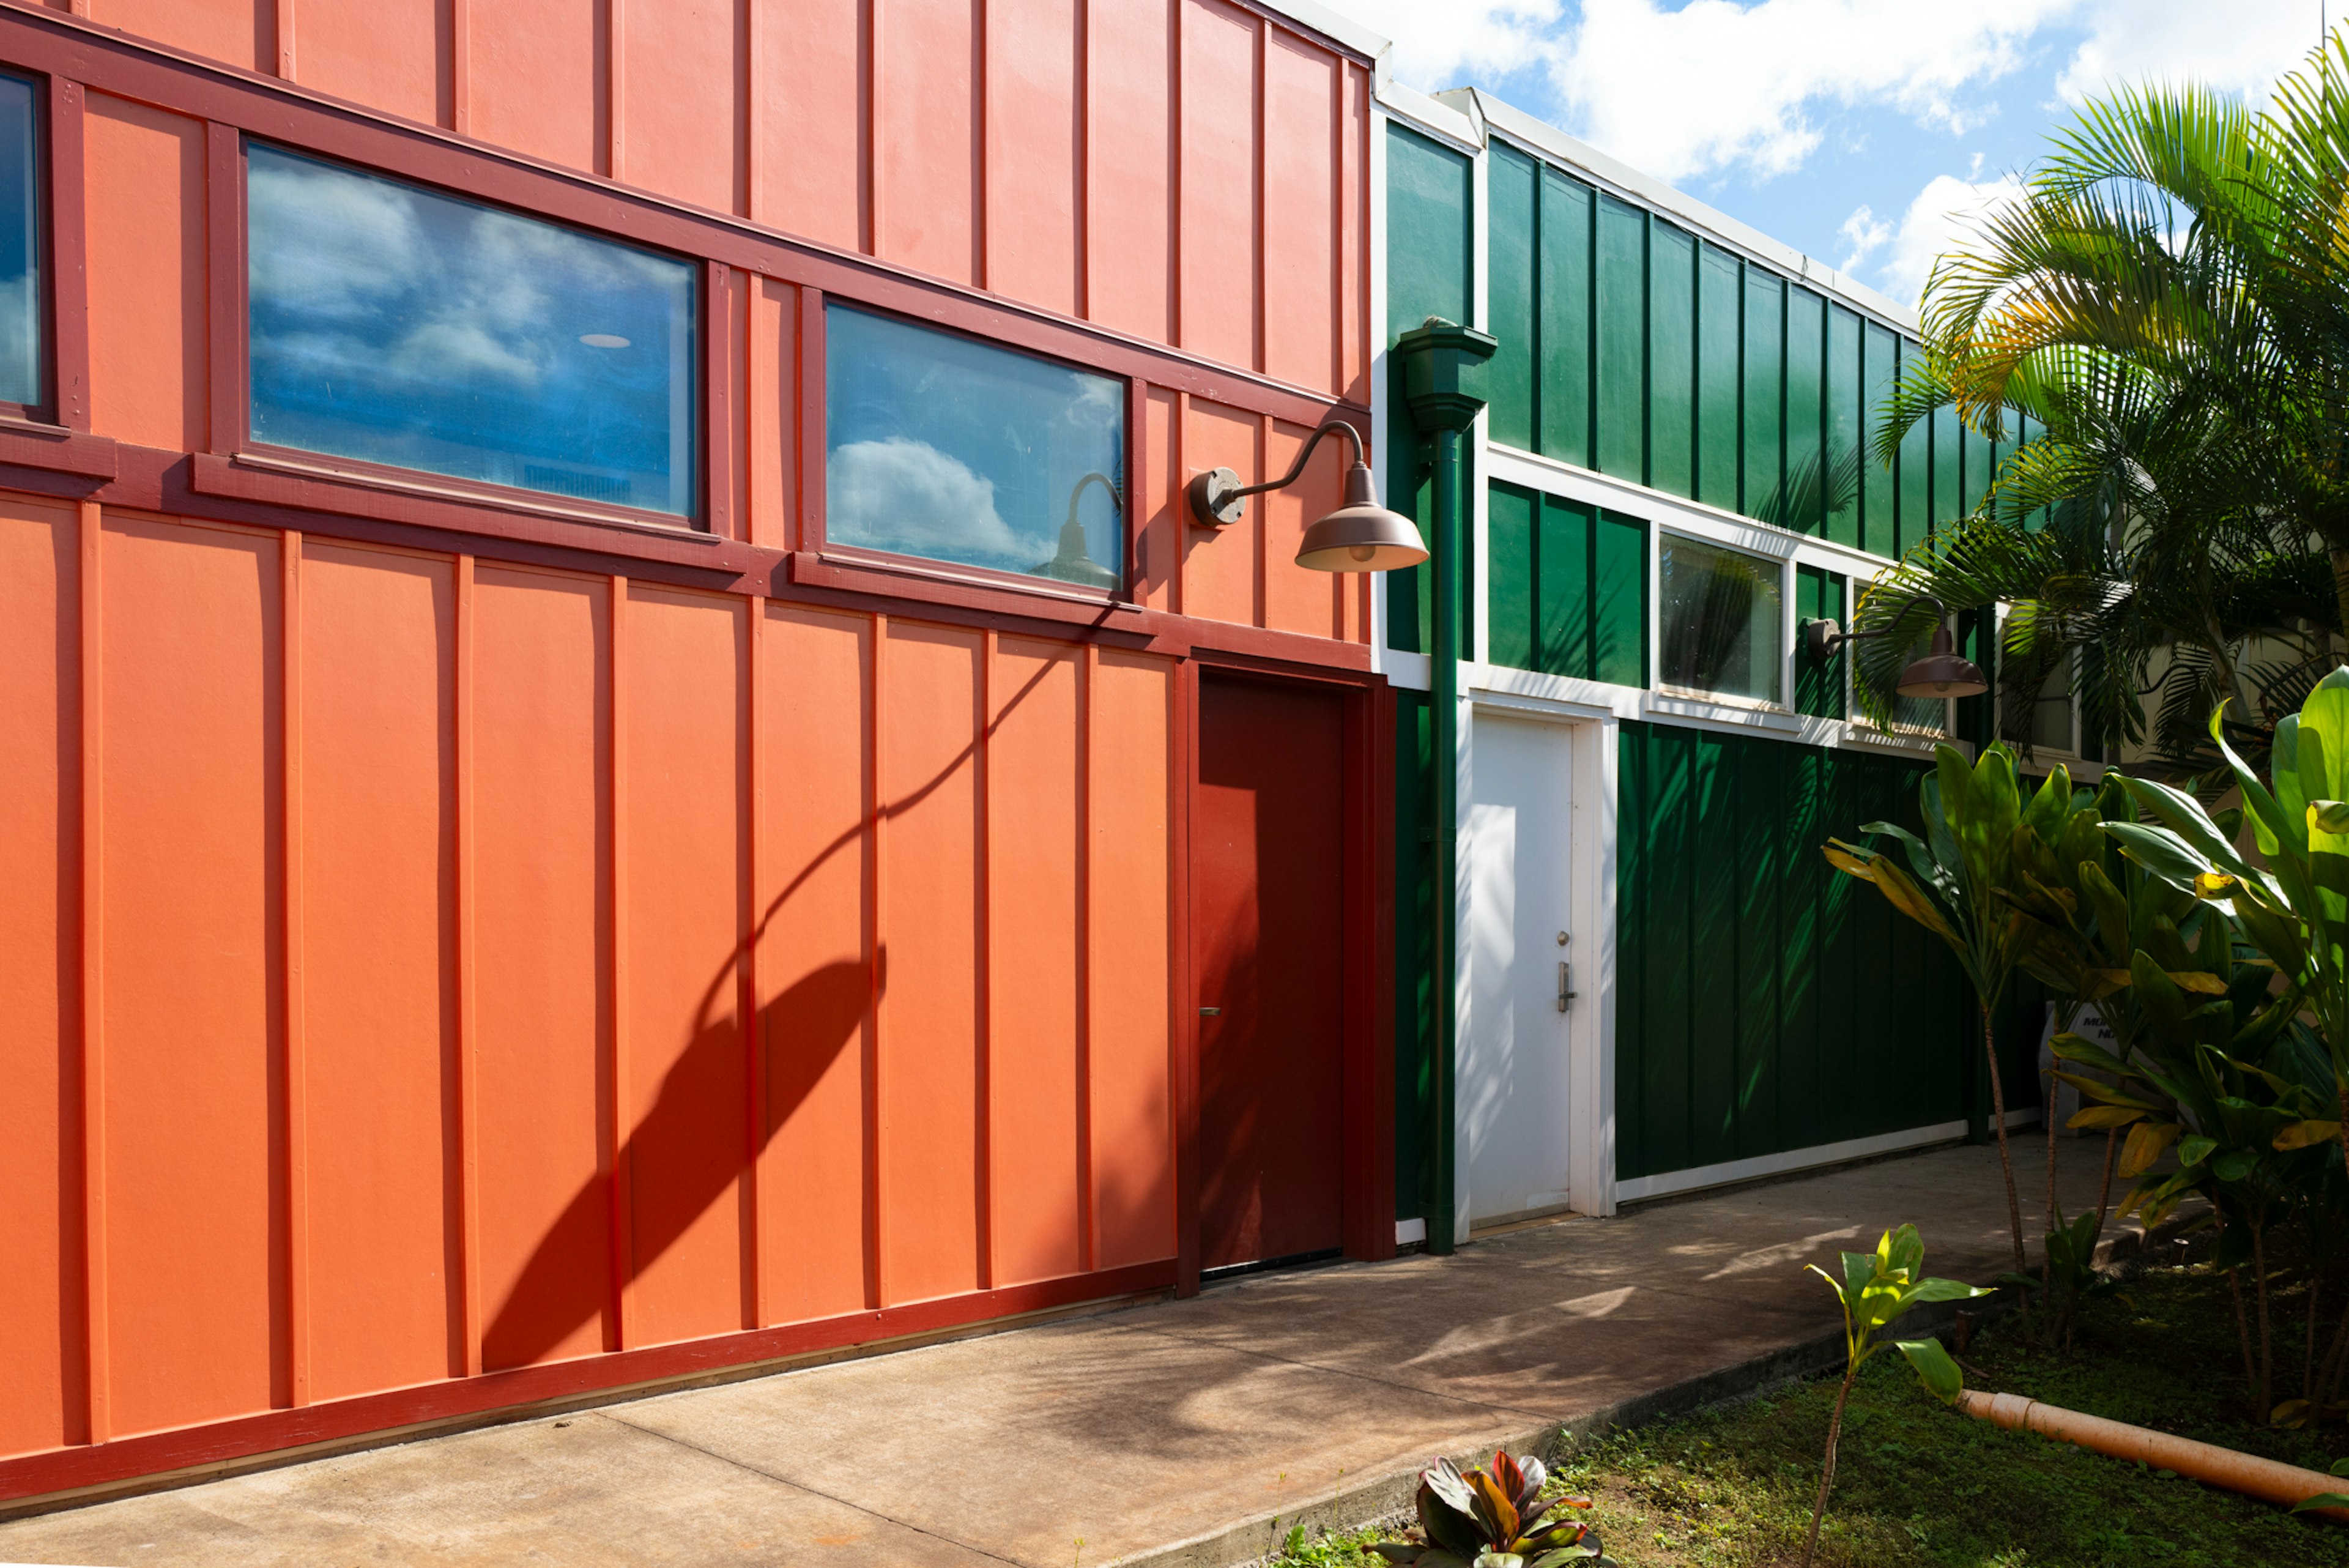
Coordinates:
1822 639
1216 501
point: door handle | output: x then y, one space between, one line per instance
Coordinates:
1566 991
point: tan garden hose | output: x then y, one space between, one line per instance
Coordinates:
2275 1482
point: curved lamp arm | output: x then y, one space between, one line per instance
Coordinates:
1218 499
1823 639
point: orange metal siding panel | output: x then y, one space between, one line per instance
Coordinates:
1035 765
540 821
1300 195
682 661
815 975
145 203
683 101
813 155
242 33
1221 237
194 1034
536 79
378 984
1219 564
1127 861
768 411
927 117
1354 239
1296 598
1034 152
1158 559
1129 207
930 1210
42 1398
391 55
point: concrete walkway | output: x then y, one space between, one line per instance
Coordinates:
1182 1432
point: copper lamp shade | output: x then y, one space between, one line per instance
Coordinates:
1941 673
1362 535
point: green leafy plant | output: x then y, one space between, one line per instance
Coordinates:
2070 1278
1494 1518
1877 1289
1967 884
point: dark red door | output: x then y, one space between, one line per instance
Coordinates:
1268 895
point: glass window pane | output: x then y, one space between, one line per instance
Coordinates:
20 247
399 326
943 447
1721 622
2051 714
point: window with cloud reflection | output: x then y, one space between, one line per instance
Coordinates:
957 451
20 246
396 324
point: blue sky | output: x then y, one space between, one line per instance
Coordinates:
1860 131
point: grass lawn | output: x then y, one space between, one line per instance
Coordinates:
1918 1484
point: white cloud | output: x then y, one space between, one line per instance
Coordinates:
2243 46
1714 85
1947 210
1864 233
1441 43
904 494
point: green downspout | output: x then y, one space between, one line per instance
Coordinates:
1441 363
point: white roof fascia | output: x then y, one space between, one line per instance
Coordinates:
1342 30
1548 141
1442 120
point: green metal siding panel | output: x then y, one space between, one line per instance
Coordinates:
1818 688
1765 1002
1672 359
1512 190
1622 319
1766 390
1618 615
1428 240
1878 529
1916 477
1806 328
1414 998
1719 287
1510 559
1949 480
1566 290
1841 456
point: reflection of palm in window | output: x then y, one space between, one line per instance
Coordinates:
1709 627
1719 621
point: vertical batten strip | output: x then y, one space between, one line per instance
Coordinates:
754 1034
1182 1001
1082 185
983 972
622 1240
92 523
876 189
285 13
614 87
296 1086
876 955
68 255
1255 204
1088 1208
461 66
1260 614
469 1113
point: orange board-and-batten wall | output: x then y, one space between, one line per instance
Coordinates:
1190 172
446 972
383 927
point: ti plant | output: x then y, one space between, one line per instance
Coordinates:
1967 884
1494 1518
1876 1289
2071 1276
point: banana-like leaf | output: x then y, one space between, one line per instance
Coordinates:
2098 1116
2194 1148
2160 851
2328 816
2098 1089
2306 1134
2322 1500
1934 1368
1911 900
2146 1142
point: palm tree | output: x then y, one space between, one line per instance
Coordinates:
2169 297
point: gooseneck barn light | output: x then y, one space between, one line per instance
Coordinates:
1074 564
1359 536
1941 673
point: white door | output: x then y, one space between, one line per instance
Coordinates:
1513 1067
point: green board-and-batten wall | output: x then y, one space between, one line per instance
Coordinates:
1631 346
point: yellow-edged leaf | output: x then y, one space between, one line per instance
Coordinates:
2106 1117
2146 1140
1847 863
2201 980
2304 1135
